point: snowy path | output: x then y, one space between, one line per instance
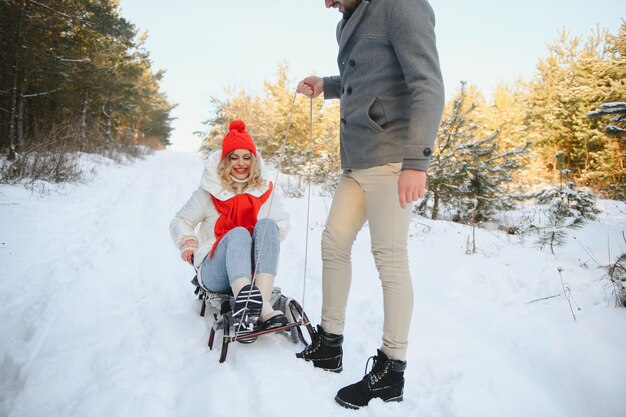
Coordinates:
98 319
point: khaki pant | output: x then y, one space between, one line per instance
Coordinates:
369 194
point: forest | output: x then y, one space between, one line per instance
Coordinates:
76 78
80 80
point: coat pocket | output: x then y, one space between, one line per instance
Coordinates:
376 115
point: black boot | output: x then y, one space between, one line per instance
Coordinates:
246 312
273 322
325 351
384 381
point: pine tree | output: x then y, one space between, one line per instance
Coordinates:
563 207
506 113
574 79
617 129
468 175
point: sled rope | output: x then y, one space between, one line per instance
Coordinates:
271 200
308 198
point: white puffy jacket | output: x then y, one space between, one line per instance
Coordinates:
199 209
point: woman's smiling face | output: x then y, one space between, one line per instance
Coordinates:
240 162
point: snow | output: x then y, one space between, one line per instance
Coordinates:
98 318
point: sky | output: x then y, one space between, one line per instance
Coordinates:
207 46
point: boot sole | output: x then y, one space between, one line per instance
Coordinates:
335 370
351 406
275 322
251 312
346 404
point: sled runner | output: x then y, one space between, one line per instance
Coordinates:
220 308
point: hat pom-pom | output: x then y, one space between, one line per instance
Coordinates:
237 125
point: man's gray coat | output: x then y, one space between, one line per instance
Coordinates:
390 84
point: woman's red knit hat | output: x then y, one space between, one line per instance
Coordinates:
237 138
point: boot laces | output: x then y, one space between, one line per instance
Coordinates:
375 375
314 347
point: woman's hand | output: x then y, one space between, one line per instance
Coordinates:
187 256
187 248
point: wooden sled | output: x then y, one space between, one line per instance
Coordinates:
219 306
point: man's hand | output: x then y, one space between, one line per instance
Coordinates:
311 86
411 186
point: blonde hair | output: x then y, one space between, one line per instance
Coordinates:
254 179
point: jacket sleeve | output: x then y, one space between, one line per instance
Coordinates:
332 87
183 224
412 35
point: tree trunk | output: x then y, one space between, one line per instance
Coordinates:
435 206
12 150
83 118
473 238
137 135
19 134
107 128
13 144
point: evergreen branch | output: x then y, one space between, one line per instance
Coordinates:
614 130
73 18
608 108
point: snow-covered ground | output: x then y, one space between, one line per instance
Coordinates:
97 316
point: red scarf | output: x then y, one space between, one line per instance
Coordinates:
241 210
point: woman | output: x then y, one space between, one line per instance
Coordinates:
238 233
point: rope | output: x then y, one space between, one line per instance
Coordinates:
269 209
308 205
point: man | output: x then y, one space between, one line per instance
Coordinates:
392 98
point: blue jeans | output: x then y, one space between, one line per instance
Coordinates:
237 254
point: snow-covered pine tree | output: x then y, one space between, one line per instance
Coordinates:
617 129
562 207
616 109
467 175
576 76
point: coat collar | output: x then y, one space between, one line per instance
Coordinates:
350 26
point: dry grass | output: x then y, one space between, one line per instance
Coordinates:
53 156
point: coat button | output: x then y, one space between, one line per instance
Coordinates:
342 90
351 62
349 90
342 120
427 152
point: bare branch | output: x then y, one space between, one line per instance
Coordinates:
544 298
39 94
73 60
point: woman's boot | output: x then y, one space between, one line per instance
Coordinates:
270 318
